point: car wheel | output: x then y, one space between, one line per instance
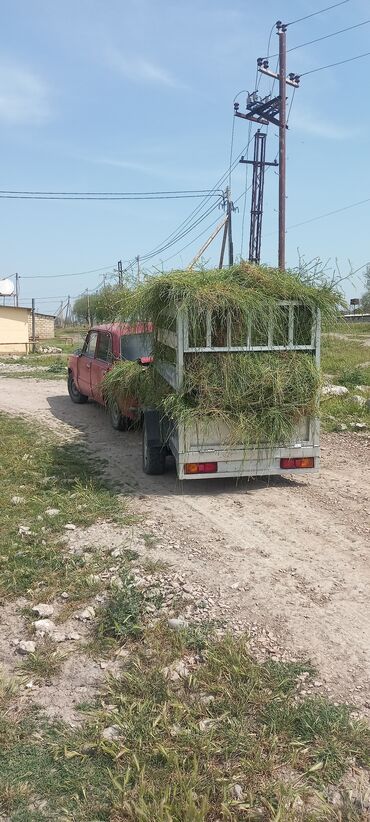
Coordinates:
73 391
118 420
154 457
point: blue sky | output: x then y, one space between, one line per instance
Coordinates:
136 95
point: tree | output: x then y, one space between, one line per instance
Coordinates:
365 299
81 308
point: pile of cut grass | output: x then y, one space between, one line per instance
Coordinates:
260 396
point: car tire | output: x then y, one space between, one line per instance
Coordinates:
73 391
118 420
154 457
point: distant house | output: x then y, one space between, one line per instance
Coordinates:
16 329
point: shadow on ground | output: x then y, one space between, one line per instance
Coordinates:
122 453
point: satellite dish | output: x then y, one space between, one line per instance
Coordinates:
6 288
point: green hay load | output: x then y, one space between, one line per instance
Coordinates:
260 396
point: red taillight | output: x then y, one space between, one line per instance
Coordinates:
200 467
297 462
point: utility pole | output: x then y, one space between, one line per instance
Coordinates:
120 273
281 30
33 316
229 210
258 180
16 296
88 307
138 268
273 110
222 224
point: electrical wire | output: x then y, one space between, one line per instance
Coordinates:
16 196
314 13
290 105
172 239
200 191
57 276
324 37
328 214
339 63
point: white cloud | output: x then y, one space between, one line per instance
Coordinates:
24 97
139 69
315 125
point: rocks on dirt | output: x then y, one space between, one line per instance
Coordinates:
237 792
177 623
43 609
16 500
52 512
111 734
45 626
334 391
48 349
358 400
25 647
24 530
177 671
69 526
87 613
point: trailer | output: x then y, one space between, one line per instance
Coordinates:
203 450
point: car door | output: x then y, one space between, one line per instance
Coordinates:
84 363
101 364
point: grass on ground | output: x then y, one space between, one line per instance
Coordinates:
38 473
229 738
347 361
218 737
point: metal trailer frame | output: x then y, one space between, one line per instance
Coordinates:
192 445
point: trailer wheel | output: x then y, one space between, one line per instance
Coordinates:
154 456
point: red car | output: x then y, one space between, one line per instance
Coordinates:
103 346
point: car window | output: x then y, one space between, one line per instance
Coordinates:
134 346
104 346
90 344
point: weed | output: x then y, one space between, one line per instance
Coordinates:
350 377
45 663
121 615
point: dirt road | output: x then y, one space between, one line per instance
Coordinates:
292 555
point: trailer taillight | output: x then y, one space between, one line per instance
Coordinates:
200 467
297 462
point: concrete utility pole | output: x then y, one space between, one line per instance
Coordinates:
16 296
229 210
33 316
138 268
120 273
281 30
273 110
88 307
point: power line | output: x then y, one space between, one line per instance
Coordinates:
329 213
200 191
314 13
56 276
158 249
325 37
339 63
16 196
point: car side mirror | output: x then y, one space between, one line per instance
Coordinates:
78 352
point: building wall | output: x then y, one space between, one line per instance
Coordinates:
14 337
44 326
